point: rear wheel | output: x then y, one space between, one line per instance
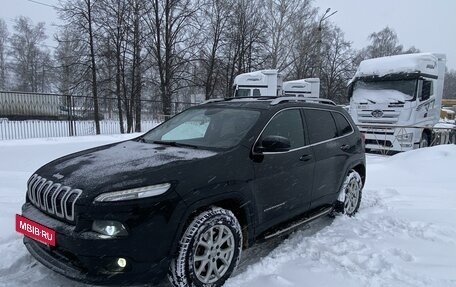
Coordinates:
209 250
453 137
350 194
424 141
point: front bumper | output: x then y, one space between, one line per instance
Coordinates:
87 257
60 263
387 139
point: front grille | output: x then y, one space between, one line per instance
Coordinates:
387 117
384 143
52 198
378 132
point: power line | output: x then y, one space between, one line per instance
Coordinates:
43 4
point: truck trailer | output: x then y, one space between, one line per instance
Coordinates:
27 106
270 83
258 83
307 88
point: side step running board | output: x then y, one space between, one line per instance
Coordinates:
298 223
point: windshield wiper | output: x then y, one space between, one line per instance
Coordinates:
371 101
173 143
400 102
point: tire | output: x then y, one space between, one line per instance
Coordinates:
201 249
424 141
351 193
452 137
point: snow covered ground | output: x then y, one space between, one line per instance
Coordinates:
403 235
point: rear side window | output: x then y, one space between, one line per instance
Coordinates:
342 124
321 125
287 124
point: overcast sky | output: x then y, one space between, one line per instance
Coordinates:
429 25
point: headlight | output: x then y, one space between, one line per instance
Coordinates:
134 193
109 227
405 137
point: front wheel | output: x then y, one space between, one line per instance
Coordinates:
350 194
453 137
209 250
424 142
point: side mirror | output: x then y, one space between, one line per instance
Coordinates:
350 91
275 144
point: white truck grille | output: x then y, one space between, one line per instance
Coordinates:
378 116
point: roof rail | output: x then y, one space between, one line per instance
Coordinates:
213 101
298 99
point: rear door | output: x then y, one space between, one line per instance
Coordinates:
283 180
330 152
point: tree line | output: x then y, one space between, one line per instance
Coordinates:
173 50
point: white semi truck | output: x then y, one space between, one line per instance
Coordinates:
270 83
307 88
395 101
258 83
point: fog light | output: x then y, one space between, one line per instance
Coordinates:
122 262
405 137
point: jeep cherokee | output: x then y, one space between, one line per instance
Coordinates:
185 198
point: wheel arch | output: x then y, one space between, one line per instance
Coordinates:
234 202
428 133
361 169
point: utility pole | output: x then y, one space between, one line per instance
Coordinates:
319 59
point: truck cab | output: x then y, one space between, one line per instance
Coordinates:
258 83
307 88
396 100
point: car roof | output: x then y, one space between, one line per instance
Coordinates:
272 103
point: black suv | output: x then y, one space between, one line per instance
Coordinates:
186 197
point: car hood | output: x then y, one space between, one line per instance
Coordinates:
118 166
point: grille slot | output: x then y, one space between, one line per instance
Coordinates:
52 198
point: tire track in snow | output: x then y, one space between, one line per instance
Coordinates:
348 247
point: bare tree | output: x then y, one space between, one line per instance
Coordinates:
80 15
71 68
280 15
244 50
113 24
383 43
217 14
171 43
338 65
3 40
449 88
31 62
136 71
304 48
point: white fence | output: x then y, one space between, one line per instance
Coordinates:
41 129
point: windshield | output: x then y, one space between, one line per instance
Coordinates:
242 93
205 128
384 91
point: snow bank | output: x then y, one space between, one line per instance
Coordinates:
403 235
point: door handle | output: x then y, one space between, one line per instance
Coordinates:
305 157
345 147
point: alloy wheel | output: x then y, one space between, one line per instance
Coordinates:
214 253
